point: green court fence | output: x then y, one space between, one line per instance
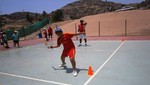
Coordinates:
24 31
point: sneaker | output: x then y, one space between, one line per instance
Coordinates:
7 47
75 73
80 44
62 65
85 44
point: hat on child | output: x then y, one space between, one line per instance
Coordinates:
81 21
58 30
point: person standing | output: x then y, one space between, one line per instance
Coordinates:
15 38
81 28
45 34
50 32
1 37
69 48
5 40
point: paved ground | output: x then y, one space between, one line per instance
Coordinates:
114 63
37 40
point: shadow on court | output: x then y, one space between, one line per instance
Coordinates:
69 70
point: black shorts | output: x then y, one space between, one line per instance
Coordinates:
1 42
5 42
16 41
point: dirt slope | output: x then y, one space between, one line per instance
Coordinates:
113 23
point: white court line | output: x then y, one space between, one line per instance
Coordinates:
31 78
88 81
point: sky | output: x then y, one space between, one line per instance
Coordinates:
11 6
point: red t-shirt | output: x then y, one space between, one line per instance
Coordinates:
50 31
81 27
0 36
44 32
66 41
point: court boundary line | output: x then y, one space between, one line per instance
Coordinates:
99 69
31 78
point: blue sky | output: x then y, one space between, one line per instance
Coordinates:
10 6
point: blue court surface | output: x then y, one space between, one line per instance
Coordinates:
113 63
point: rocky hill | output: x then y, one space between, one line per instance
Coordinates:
145 4
75 10
18 15
82 8
18 19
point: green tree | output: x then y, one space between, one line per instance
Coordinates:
44 14
1 21
29 18
57 16
36 16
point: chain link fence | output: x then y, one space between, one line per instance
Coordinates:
27 30
122 27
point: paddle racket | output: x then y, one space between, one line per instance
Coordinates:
49 43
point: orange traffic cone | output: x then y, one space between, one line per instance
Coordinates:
122 39
90 71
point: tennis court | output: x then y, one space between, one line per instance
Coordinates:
113 62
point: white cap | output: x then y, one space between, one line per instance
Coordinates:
15 31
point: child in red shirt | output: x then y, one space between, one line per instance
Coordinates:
69 48
50 32
45 34
81 28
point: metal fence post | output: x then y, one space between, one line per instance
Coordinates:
125 27
76 31
99 28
